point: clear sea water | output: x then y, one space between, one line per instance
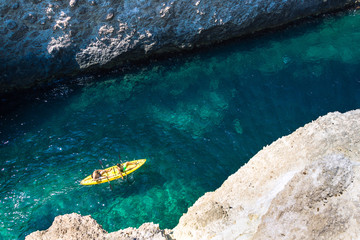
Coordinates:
196 118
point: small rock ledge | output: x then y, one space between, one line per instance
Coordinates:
303 186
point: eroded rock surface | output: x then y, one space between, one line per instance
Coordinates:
319 202
302 186
74 227
43 39
71 226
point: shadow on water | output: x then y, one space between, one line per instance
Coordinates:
138 184
42 221
17 110
40 97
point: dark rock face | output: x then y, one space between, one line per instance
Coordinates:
42 39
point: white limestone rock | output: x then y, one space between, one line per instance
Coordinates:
302 186
74 227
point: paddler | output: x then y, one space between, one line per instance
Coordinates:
122 167
98 174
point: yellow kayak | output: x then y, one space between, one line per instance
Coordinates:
113 173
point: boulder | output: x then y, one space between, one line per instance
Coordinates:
71 226
74 226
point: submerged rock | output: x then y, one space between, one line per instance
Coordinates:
302 186
141 28
10 24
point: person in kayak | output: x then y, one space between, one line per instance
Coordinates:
122 167
98 174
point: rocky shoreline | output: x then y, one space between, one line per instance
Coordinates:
302 186
43 40
74 226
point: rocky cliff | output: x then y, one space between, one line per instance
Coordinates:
45 39
302 186
74 227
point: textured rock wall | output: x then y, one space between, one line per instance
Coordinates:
43 39
302 186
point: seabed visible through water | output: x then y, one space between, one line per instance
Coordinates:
196 119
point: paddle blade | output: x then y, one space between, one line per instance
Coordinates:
101 163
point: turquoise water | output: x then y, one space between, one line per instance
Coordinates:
196 118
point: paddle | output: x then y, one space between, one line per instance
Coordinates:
106 174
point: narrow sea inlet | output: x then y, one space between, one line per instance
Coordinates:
196 119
